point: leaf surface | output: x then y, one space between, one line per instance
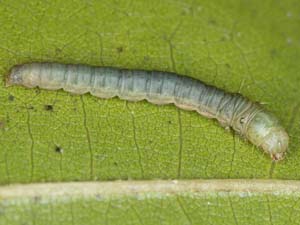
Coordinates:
251 47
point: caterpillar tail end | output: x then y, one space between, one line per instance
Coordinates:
8 82
277 156
14 77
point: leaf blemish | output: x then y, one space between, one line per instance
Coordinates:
58 149
11 98
48 107
120 49
30 107
212 22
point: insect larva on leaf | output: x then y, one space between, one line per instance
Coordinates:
248 119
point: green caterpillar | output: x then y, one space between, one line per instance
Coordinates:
246 118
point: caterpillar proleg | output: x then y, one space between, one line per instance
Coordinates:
246 118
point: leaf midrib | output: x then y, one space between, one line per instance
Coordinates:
135 188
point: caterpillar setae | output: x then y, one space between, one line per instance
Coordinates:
246 118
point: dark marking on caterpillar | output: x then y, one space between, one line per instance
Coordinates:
48 107
245 117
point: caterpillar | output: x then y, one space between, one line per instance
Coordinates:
246 118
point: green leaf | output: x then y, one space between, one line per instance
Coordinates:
251 47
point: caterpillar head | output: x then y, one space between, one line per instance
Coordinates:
265 131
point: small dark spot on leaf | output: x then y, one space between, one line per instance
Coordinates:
30 107
11 98
273 53
48 107
227 65
169 121
98 197
223 38
58 149
37 199
242 120
120 49
212 21
115 163
58 50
